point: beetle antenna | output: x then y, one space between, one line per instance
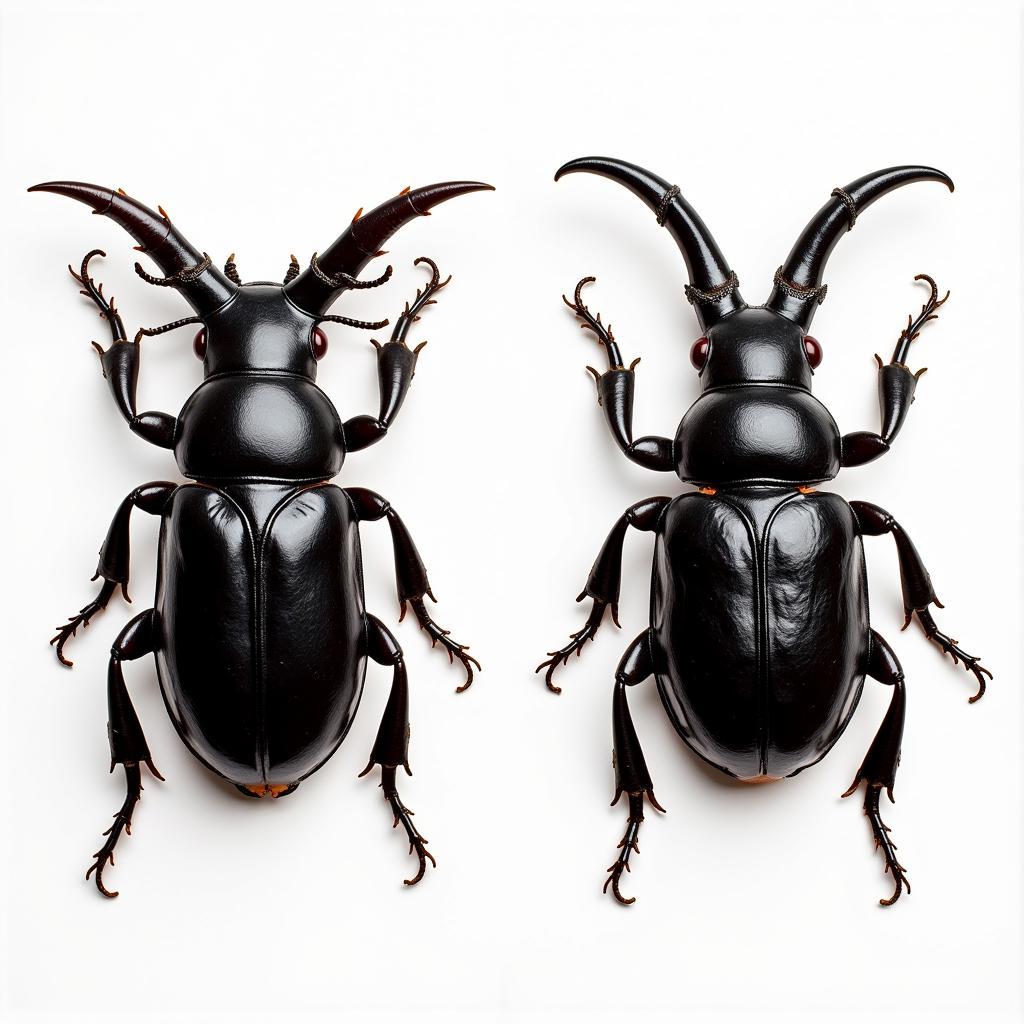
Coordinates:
231 270
915 325
424 298
185 276
152 332
593 323
343 280
293 270
363 325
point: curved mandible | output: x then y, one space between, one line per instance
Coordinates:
186 268
798 290
333 271
714 288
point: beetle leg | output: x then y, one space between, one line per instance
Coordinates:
120 363
631 774
918 593
896 386
396 366
391 747
115 558
615 393
878 769
128 745
604 582
411 577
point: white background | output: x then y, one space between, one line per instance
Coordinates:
261 128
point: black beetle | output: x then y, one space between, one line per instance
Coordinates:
259 626
759 635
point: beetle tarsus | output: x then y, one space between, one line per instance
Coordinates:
417 842
122 823
883 841
577 641
70 628
628 844
443 637
592 322
91 290
950 646
929 311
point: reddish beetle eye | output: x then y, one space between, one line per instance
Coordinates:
699 352
199 344
319 344
813 350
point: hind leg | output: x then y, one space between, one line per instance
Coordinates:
128 745
631 774
391 748
878 769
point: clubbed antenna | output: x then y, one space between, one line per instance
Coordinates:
424 298
231 270
593 323
293 270
929 311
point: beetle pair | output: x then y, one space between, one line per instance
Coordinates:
759 635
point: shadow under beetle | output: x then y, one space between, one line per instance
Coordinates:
759 637
259 627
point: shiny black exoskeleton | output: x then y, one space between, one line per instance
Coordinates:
759 637
259 627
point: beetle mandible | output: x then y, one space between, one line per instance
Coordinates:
259 626
759 636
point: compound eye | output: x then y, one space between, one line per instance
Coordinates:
199 344
699 353
319 344
813 349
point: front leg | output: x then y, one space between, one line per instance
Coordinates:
896 386
115 558
396 367
918 593
120 364
411 576
603 583
615 393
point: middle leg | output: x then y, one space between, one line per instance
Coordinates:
603 583
411 577
918 593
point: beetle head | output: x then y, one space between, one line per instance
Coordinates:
755 420
262 325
